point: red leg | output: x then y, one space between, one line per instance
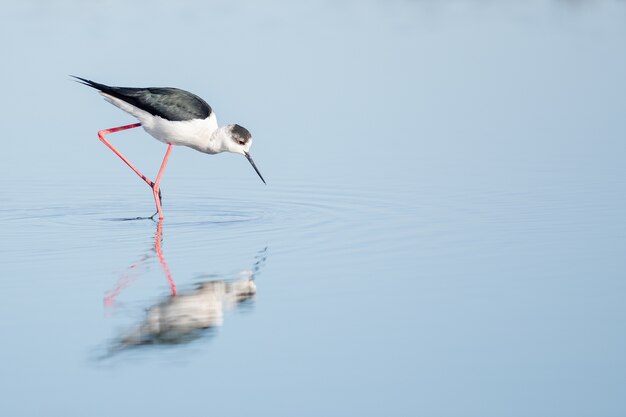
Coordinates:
123 158
155 187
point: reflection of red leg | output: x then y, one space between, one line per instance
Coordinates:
158 238
133 272
123 158
155 186
126 278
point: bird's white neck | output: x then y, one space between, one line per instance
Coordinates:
213 137
217 141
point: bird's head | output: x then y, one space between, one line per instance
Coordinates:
239 140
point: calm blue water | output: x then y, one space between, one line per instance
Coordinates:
442 232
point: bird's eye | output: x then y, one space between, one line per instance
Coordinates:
241 142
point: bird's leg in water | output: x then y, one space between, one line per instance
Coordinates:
161 201
156 191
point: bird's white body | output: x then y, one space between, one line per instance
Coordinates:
199 134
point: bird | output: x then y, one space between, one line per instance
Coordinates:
174 117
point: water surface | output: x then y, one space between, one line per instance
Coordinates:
441 234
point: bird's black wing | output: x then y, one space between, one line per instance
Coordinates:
169 103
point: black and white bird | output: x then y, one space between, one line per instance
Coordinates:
174 117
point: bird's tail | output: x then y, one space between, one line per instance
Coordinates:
101 87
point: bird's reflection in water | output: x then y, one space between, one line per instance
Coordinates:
183 316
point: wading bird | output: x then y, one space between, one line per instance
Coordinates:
174 117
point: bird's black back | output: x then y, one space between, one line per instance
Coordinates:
169 103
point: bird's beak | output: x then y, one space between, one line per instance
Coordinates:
254 166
